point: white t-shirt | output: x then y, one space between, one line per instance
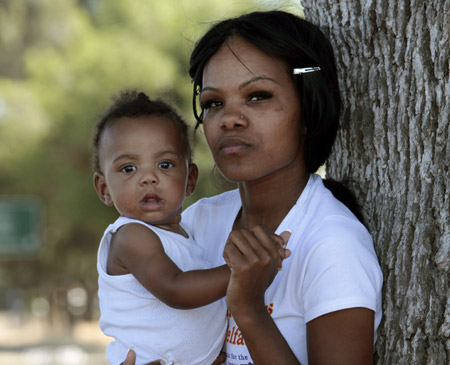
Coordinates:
134 317
333 265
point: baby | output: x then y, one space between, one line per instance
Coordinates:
150 270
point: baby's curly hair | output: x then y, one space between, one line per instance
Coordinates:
136 104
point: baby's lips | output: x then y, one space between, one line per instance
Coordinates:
151 196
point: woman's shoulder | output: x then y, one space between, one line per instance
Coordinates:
324 208
335 225
322 219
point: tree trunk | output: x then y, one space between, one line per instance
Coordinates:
393 148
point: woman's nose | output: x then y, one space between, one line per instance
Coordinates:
233 118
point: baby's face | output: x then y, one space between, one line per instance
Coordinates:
145 168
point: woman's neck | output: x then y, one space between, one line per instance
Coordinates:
267 201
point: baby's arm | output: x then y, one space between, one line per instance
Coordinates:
138 250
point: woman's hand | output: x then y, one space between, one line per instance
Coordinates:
131 360
254 257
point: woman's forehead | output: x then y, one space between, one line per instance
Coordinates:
239 59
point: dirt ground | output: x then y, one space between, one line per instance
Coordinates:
33 341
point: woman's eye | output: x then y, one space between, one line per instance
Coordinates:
212 103
260 95
128 168
165 165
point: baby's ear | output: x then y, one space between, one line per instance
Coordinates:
192 179
102 189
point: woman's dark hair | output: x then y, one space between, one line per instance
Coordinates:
135 104
300 44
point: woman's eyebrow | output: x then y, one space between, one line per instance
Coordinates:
255 79
209 88
242 85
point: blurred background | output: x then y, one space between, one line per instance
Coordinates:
60 63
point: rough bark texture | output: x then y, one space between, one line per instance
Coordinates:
393 58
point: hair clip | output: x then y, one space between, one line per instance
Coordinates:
304 70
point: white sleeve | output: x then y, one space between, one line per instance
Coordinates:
341 269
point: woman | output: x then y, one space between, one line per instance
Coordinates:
270 105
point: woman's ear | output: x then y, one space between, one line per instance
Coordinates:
192 179
102 189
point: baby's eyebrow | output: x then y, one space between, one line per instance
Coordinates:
169 152
126 156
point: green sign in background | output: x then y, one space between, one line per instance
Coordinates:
21 225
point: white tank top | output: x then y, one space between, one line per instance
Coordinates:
135 318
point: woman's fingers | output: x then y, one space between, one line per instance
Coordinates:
241 249
244 240
246 249
273 244
269 246
255 246
232 255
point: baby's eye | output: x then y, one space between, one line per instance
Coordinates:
165 165
259 95
128 169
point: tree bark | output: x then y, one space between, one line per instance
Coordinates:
393 149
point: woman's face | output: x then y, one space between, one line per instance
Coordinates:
251 113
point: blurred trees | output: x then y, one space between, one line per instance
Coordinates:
60 62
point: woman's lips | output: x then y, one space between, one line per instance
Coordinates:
233 145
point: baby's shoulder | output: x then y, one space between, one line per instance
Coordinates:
132 234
